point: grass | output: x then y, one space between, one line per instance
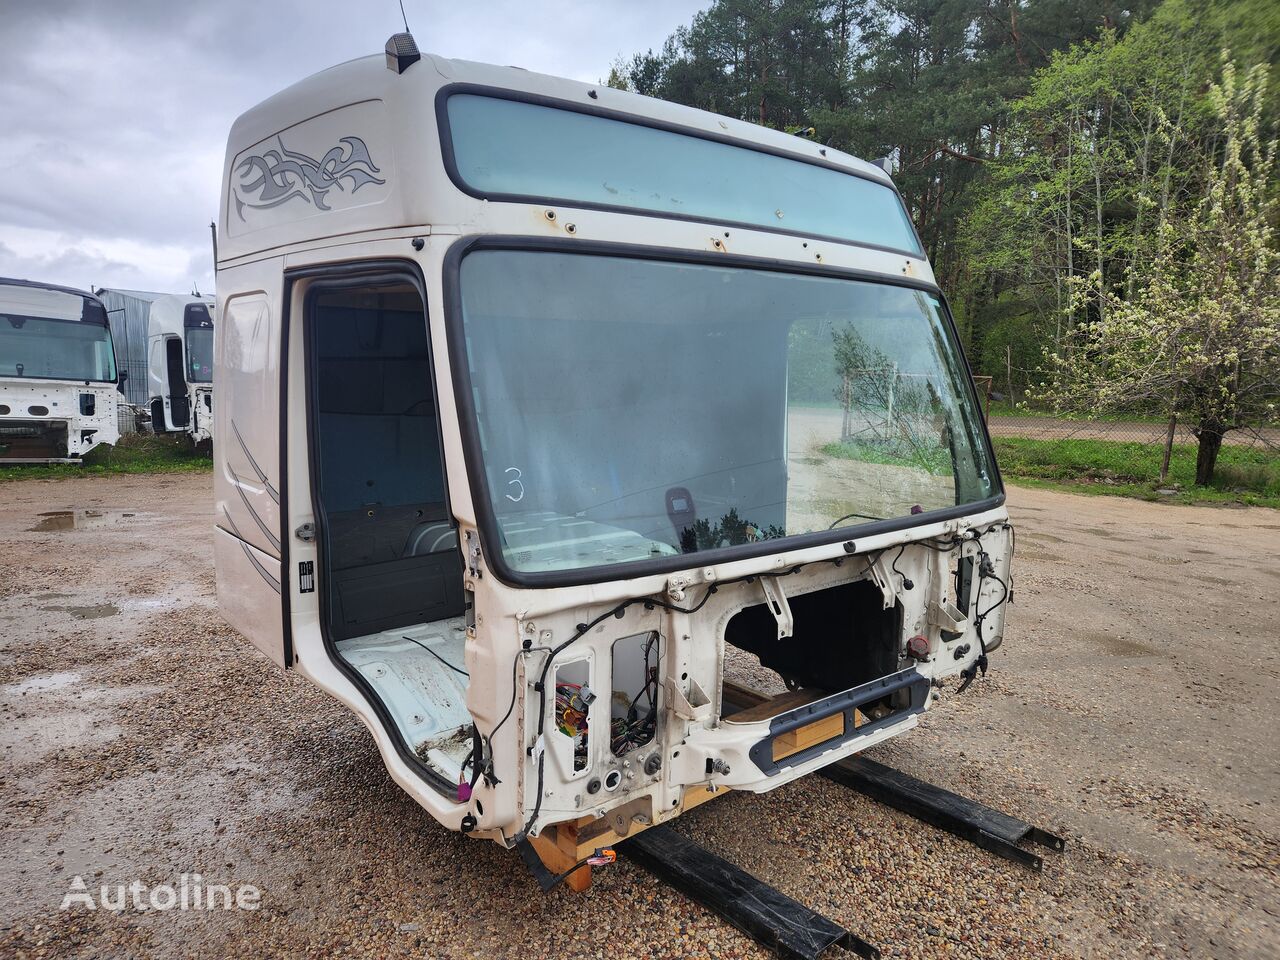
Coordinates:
935 460
134 453
1243 475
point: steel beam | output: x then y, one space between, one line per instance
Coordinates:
766 915
990 829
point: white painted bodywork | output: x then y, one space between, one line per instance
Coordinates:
33 402
164 323
415 215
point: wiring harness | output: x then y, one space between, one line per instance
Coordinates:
637 727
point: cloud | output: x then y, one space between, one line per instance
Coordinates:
115 115
91 262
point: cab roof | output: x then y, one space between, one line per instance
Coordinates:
375 133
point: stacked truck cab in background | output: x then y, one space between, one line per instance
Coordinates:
180 366
58 380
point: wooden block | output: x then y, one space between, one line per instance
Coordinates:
564 844
774 706
557 861
743 696
696 796
793 741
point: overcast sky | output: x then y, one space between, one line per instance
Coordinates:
114 115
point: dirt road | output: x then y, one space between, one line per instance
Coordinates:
1132 707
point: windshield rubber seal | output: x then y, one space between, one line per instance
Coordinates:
450 160
473 454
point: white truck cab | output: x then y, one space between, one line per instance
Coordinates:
180 366
58 383
548 413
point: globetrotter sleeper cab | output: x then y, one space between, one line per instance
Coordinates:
537 480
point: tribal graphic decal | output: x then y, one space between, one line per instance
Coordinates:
285 174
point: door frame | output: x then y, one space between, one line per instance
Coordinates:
331 276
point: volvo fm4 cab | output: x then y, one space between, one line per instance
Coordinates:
551 415
58 383
180 366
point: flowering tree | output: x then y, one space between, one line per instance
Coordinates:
1199 335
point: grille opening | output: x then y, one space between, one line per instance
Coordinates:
843 637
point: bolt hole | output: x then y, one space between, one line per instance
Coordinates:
570 228
684 676
550 215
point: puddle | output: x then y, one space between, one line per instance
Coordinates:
151 604
1099 532
1043 537
1026 553
50 681
95 612
82 519
1122 646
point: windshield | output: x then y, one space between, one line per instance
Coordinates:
199 354
54 335
511 148
636 409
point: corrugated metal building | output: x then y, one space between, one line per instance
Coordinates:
127 311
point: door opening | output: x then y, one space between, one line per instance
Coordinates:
179 409
393 597
391 550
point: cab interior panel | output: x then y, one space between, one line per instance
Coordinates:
391 551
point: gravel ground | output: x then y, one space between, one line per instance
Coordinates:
1132 708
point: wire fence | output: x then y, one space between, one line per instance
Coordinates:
1005 419
132 418
893 415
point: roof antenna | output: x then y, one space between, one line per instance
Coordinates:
402 51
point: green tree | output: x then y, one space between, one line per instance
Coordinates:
1196 330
